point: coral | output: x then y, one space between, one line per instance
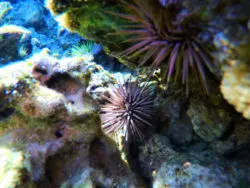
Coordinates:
11 167
57 153
23 51
166 35
12 75
128 110
235 87
84 48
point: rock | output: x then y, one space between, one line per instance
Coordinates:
209 122
192 175
180 131
154 152
170 107
240 135
15 43
200 167
175 108
34 15
224 147
56 125
33 103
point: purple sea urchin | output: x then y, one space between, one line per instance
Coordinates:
129 110
166 36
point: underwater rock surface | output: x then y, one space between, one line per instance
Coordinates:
15 43
56 127
209 123
50 129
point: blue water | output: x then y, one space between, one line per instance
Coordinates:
45 31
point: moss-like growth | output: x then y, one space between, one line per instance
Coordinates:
92 21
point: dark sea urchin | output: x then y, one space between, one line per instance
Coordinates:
167 38
129 110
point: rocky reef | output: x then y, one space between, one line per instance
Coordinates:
158 98
54 132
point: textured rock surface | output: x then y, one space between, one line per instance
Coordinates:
15 43
192 175
181 131
61 143
153 153
209 122
197 167
240 135
56 125
35 14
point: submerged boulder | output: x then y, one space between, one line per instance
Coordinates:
15 43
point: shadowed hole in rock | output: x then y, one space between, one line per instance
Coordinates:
58 133
96 152
64 83
106 159
41 70
5 112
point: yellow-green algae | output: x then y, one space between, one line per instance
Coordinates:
93 20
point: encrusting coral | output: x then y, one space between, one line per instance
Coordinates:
12 165
235 88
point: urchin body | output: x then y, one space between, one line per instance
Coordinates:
129 110
165 35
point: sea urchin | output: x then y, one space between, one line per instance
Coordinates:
128 109
166 37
